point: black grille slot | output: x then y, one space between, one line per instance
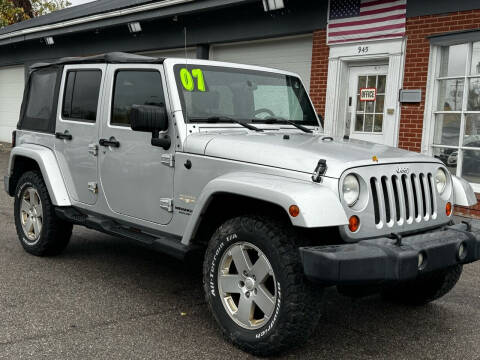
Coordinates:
431 193
388 216
396 196
375 200
414 192
424 197
405 194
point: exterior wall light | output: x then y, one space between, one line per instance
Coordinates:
134 27
270 5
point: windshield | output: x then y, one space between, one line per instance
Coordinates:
242 95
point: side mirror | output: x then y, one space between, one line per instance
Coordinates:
148 118
152 119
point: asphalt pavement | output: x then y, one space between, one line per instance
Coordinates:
108 298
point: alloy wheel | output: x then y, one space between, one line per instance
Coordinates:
31 215
247 285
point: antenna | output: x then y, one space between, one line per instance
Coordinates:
186 66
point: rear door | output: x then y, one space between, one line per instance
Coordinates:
77 130
136 177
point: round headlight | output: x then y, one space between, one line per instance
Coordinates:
351 189
441 180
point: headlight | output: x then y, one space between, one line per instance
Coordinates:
441 180
350 189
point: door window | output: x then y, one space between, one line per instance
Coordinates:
370 103
82 89
135 87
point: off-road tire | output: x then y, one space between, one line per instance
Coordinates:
426 288
297 309
55 233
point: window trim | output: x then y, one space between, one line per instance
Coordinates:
64 93
112 98
431 100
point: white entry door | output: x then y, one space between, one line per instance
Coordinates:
366 112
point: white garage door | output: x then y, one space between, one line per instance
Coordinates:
291 54
12 83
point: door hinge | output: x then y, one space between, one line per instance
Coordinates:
93 187
93 149
167 204
168 159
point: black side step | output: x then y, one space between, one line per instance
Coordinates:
167 244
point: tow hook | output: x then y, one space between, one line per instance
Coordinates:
398 237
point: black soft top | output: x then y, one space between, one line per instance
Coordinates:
108 58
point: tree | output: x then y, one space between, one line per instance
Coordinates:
13 11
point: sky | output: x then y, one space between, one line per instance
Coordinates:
78 2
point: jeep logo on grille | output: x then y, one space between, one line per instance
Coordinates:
402 170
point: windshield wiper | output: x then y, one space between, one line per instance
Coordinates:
219 119
283 121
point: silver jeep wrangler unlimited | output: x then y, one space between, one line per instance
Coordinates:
228 162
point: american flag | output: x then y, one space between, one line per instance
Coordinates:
358 20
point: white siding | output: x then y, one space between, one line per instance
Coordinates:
290 54
12 83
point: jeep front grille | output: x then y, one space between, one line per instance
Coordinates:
400 199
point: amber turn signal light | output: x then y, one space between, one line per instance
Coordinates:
353 223
294 210
448 209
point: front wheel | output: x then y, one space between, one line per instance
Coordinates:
255 288
426 288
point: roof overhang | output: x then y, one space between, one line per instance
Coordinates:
135 13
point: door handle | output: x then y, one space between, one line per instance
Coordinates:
64 136
112 142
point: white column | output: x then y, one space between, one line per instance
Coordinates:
331 106
394 84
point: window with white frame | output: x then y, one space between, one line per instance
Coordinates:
455 135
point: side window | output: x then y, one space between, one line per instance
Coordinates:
82 89
40 101
135 87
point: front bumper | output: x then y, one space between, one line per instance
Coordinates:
382 260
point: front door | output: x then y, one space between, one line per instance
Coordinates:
366 113
77 130
136 177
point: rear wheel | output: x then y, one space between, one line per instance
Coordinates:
426 288
255 287
40 231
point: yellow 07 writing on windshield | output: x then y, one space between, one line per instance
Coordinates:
187 79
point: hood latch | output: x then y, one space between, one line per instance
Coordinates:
320 170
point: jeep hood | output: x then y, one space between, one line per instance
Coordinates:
299 152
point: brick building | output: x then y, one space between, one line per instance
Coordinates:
436 55
439 55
